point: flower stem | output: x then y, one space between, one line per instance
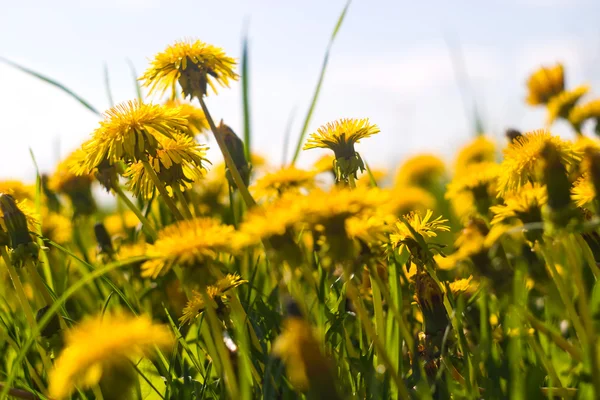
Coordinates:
145 223
237 178
183 201
351 181
163 191
217 334
363 316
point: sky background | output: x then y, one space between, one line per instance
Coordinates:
391 62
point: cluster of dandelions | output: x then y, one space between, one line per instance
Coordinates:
394 286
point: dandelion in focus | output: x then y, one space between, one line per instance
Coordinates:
193 65
340 137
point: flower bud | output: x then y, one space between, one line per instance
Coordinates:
19 239
103 238
236 150
51 327
512 134
558 187
431 300
52 198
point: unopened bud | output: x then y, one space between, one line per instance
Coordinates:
19 239
235 145
51 327
431 300
103 238
15 221
593 161
556 179
52 198
512 134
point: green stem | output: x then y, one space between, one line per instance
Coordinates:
566 299
217 334
378 307
585 310
351 181
363 316
42 289
145 223
163 191
556 337
182 201
237 178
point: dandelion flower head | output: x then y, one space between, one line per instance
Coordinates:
523 161
191 63
95 345
545 83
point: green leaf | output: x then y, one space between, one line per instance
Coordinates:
138 89
315 97
54 83
246 97
107 86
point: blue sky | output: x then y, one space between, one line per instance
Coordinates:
391 63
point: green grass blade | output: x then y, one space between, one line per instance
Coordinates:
286 138
38 210
54 83
246 97
107 86
138 88
459 67
53 309
319 83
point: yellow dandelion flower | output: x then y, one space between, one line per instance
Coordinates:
179 161
132 250
561 105
284 180
525 205
17 189
370 229
273 219
586 143
217 293
196 120
379 174
467 285
300 351
190 242
581 113
421 170
479 185
583 192
64 180
340 137
403 200
544 84
423 225
480 179
98 344
191 63
120 222
131 132
479 150
56 227
523 161
320 207
324 164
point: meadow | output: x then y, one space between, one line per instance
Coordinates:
242 278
